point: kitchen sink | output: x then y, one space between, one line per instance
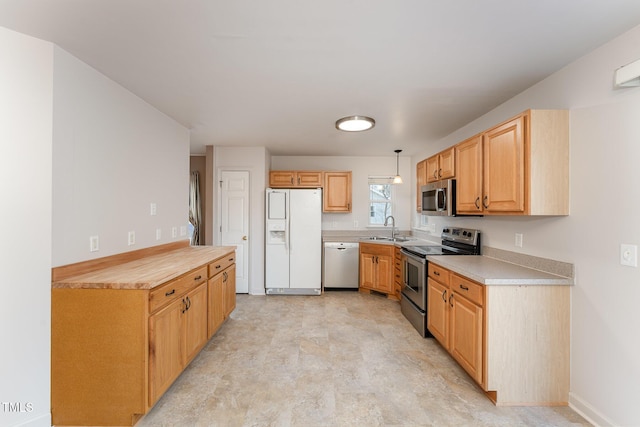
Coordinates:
389 239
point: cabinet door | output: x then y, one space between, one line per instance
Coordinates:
469 178
216 304
432 168
384 280
466 335
447 164
281 179
337 192
367 270
311 179
504 174
421 179
438 311
165 349
229 282
195 322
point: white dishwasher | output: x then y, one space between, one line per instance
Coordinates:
340 265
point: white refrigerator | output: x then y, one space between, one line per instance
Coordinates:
293 243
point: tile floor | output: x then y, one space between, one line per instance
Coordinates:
340 359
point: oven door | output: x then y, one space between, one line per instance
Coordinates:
414 279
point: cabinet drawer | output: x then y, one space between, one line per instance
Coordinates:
220 264
471 290
438 273
172 290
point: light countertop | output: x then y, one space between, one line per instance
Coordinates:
490 271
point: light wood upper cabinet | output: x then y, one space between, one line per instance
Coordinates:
523 168
336 196
469 179
295 179
421 179
441 166
504 159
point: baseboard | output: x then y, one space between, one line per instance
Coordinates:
588 412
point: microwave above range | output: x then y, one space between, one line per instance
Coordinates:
439 198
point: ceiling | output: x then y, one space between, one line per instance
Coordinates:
279 73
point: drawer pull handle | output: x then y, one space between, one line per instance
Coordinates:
463 287
218 266
173 291
435 273
230 259
444 295
198 277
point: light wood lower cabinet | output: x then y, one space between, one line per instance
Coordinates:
177 333
377 268
114 352
438 311
465 344
513 340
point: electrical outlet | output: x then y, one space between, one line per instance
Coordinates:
94 244
153 209
131 238
519 240
174 232
158 233
629 255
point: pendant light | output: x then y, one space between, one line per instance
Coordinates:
397 179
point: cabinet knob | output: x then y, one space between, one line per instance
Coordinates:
244 237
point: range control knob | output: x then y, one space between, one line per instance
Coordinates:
464 233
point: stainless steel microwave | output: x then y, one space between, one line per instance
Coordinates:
439 198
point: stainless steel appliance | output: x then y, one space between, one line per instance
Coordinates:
340 265
439 198
413 302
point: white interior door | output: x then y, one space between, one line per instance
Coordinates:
234 221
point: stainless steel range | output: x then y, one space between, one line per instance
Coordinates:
413 303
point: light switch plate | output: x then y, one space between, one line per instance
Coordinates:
94 244
131 238
629 255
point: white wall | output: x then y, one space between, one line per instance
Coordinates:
361 168
26 85
113 155
255 160
605 212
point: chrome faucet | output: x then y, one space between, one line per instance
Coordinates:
393 225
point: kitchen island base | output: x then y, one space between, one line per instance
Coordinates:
121 335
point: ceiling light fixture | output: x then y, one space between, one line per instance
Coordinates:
397 179
355 123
